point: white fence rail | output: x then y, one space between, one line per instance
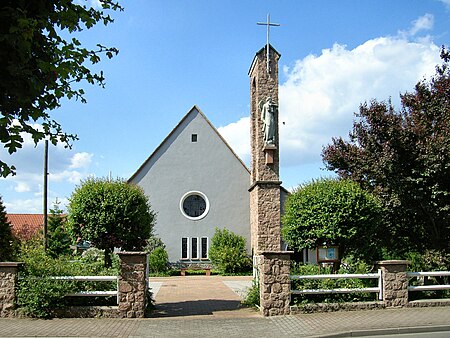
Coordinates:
87 279
429 287
378 289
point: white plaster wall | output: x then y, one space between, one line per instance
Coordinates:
207 165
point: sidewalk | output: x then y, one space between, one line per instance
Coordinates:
199 306
338 324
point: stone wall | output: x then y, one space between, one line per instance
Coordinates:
9 272
132 284
275 283
331 307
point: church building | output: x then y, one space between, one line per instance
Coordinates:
195 184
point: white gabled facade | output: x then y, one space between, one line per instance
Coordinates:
195 183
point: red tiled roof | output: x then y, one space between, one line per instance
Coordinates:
26 226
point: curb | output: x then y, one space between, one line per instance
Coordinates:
390 331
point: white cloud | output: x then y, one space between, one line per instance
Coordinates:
96 4
321 94
71 176
23 192
446 3
22 187
424 22
81 160
17 206
23 183
237 134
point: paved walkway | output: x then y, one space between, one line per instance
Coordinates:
338 324
200 296
199 306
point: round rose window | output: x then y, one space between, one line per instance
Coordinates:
194 205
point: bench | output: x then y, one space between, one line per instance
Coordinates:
207 271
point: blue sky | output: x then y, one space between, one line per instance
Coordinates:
176 54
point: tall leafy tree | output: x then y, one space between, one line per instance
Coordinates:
404 157
110 213
41 62
6 237
333 212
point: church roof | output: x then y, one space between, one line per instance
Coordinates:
191 111
262 50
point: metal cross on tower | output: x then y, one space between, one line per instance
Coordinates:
268 24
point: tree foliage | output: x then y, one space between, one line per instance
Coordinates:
154 243
158 260
110 213
58 240
228 253
6 237
27 232
404 157
332 212
40 65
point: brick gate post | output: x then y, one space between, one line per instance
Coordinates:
395 282
275 283
132 284
9 276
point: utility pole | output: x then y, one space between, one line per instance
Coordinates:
45 191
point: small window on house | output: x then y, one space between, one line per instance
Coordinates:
194 248
184 248
194 137
204 251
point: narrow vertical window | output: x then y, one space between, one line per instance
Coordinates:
194 137
204 248
184 248
194 248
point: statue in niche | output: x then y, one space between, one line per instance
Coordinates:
268 110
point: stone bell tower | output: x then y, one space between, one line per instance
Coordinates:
271 266
265 184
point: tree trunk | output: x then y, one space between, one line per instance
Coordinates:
108 262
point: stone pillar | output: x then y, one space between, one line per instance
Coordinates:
395 282
262 86
266 216
9 273
270 264
265 185
275 283
133 284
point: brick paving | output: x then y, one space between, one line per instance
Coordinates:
352 322
199 296
338 324
199 306
75 327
